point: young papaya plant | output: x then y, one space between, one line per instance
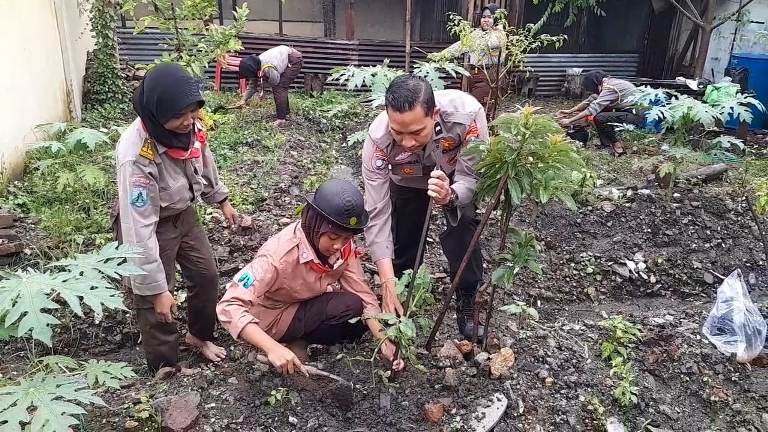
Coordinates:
54 390
528 159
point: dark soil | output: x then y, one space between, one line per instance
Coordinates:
684 383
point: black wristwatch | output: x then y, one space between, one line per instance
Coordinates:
453 200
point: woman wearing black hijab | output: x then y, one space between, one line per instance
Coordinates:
164 166
610 102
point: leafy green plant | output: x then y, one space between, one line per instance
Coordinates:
403 330
377 78
689 118
148 418
105 90
196 41
616 351
597 410
571 6
57 387
277 396
532 157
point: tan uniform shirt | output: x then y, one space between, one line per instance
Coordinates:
270 288
274 61
617 94
151 186
462 119
484 47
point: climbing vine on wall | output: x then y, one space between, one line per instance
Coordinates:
105 89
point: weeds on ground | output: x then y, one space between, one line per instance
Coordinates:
616 351
277 396
332 111
145 414
69 184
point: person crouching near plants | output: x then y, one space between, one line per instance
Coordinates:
306 284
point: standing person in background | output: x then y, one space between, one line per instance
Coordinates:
611 102
164 166
485 50
279 66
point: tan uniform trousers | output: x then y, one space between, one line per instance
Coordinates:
181 240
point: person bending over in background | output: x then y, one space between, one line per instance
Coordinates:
279 66
610 103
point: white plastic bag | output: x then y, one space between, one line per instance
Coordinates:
735 325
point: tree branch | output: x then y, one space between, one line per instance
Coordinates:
732 14
693 8
686 13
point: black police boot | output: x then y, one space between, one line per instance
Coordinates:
465 317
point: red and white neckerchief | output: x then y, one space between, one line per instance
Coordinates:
346 252
195 151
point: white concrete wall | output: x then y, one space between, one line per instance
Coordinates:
723 37
43 44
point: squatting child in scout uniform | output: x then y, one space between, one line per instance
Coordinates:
306 284
163 167
413 154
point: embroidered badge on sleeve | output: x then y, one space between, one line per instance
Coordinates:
139 192
379 158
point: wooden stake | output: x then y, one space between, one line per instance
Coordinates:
465 260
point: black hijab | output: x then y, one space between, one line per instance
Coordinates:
163 95
592 80
249 67
492 8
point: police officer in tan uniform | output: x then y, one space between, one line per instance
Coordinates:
413 154
164 166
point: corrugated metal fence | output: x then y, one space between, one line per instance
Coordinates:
322 55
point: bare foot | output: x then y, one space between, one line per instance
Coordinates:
618 148
208 349
278 122
299 348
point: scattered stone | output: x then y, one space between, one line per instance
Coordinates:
488 413
752 279
449 355
613 424
764 420
434 412
284 221
246 222
549 381
501 363
708 277
7 248
465 347
6 218
440 275
9 235
233 380
481 358
293 420
130 424
164 374
451 378
622 270
178 413
607 206
543 374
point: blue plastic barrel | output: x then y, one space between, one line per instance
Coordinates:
757 64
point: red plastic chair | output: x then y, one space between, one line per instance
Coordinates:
228 63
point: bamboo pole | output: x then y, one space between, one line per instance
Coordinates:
502 246
483 222
408 11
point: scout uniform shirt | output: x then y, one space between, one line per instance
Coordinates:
616 94
285 273
274 61
484 48
461 120
153 185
